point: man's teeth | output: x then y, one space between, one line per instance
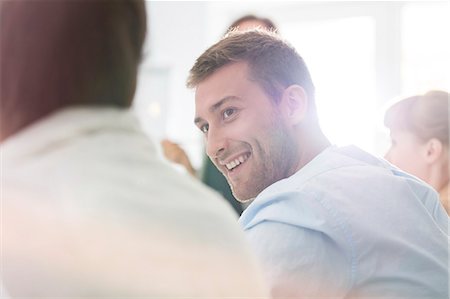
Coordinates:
236 162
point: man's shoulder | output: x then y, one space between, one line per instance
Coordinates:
348 156
342 185
331 167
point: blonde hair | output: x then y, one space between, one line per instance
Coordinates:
426 116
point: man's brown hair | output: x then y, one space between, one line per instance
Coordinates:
272 62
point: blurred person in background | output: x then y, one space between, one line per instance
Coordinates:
419 133
88 208
209 174
250 21
325 221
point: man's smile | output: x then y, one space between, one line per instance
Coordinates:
230 165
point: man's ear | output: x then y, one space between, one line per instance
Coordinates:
294 103
433 150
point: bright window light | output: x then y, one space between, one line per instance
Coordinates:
425 47
340 56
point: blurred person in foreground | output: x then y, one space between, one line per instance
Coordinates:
326 221
209 174
88 210
419 139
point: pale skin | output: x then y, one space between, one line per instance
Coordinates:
426 159
252 140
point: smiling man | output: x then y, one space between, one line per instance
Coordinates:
325 221
257 152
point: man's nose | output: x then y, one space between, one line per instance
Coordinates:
215 143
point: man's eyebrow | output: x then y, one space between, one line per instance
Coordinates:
216 106
221 102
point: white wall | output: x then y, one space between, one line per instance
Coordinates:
176 37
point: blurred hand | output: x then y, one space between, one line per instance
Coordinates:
174 153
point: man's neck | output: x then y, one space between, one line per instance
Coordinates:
315 143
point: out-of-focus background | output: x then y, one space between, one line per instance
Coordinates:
361 55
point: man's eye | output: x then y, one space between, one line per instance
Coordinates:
228 112
204 128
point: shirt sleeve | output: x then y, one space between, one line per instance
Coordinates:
300 262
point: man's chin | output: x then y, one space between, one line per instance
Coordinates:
246 201
243 197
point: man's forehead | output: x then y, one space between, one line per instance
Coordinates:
233 70
220 84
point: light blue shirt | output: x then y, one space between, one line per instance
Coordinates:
349 225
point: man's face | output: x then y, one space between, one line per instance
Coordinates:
246 135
